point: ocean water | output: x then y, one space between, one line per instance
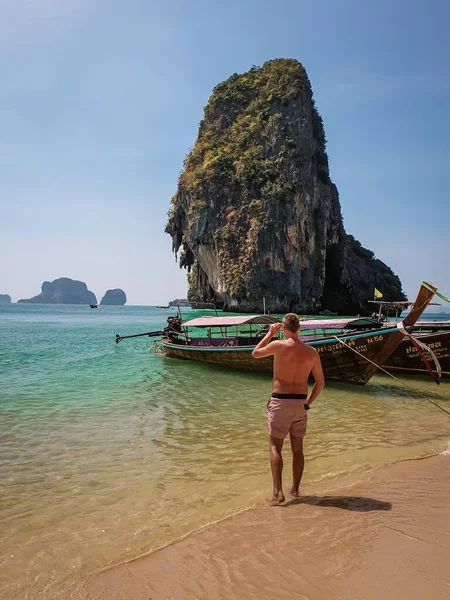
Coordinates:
111 451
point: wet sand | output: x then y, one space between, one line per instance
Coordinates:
387 537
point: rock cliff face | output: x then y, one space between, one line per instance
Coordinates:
116 297
256 214
5 299
63 291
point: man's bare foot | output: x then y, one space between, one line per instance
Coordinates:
295 493
277 499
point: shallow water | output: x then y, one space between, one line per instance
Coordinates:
109 451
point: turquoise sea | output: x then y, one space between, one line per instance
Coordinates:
111 451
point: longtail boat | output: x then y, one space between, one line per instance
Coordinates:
406 357
229 341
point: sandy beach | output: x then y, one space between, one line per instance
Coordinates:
386 537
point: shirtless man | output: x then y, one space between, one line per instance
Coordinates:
293 363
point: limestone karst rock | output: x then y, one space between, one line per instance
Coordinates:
63 291
256 214
116 297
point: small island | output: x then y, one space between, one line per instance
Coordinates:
5 299
182 302
116 297
63 291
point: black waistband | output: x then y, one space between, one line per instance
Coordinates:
289 396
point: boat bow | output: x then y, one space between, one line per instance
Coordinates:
424 297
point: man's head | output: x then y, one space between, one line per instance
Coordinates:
291 325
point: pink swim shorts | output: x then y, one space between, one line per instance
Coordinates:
286 416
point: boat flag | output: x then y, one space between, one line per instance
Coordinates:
378 294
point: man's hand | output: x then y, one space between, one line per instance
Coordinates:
274 329
263 349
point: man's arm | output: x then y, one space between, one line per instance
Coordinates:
263 349
319 380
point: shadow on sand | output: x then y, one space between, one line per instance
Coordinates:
354 503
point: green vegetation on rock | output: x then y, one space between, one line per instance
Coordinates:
236 143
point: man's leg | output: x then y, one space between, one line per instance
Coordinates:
298 463
276 464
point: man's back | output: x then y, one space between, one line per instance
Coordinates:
292 366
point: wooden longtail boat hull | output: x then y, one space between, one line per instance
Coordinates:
339 361
351 358
406 359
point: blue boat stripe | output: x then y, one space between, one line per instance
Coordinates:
354 337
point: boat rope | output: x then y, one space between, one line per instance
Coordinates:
419 346
390 374
362 355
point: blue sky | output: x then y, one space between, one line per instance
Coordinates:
100 102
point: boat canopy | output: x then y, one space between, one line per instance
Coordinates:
352 323
230 321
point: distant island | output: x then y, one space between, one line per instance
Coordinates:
116 297
178 302
5 299
63 291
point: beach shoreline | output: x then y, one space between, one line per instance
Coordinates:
386 536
